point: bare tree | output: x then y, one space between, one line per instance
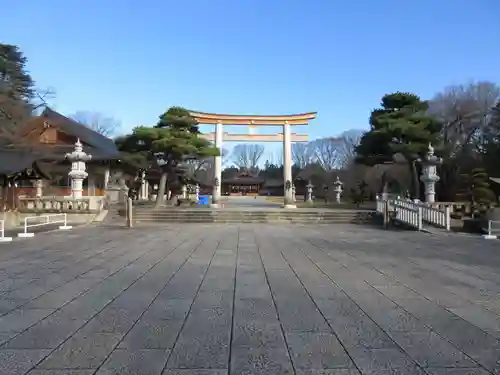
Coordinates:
247 155
98 122
346 151
326 152
465 111
303 154
203 169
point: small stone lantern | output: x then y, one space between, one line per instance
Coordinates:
309 188
337 189
78 171
184 191
197 193
429 175
293 193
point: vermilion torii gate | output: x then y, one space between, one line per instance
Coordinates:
251 121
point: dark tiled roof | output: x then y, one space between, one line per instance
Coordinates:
103 147
59 153
15 161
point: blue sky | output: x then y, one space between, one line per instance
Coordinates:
132 60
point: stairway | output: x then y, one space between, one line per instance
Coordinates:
275 216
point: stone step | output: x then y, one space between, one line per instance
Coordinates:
236 216
252 219
224 221
206 215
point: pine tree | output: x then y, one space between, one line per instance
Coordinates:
174 139
16 92
400 126
475 189
359 193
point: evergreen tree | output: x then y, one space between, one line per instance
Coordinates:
475 189
174 139
401 126
359 193
16 92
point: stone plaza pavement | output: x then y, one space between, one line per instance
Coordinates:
249 299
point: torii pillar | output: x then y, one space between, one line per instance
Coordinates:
216 192
287 167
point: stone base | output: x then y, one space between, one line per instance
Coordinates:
5 239
289 206
65 227
214 205
489 237
26 235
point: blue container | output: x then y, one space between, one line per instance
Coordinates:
204 199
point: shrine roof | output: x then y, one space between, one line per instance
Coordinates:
102 147
13 161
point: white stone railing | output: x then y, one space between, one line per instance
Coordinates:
381 206
408 214
408 209
2 232
435 216
56 204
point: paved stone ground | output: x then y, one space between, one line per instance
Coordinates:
250 299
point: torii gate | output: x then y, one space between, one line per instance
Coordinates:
251 121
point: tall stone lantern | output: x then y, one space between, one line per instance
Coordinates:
197 193
429 175
309 188
78 171
337 189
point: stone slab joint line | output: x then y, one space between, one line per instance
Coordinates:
282 329
71 279
412 315
155 297
231 334
123 291
165 367
331 328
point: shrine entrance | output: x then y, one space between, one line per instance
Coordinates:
251 121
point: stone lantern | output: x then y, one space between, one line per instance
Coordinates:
184 192
309 188
197 193
429 175
337 189
293 193
39 188
78 171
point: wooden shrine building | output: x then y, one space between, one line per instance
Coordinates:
47 139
